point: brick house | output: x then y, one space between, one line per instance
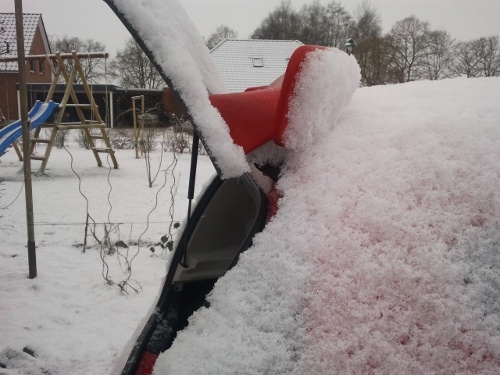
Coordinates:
37 71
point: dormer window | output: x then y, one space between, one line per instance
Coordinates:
41 66
32 65
258 62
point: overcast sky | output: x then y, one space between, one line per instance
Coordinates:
463 19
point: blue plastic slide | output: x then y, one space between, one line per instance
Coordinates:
38 115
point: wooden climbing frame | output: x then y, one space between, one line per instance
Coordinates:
89 118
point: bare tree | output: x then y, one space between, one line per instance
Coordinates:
134 69
222 32
466 60
328 25
368 22
340 25
439 55
373 56
371 49
313 24
94 69
410 51
409 38
489 56
283 23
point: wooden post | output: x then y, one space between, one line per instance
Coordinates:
26 139
135 129
141 129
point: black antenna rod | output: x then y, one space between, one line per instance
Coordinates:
192 183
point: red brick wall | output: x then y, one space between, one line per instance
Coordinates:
8 81
8 95
38 75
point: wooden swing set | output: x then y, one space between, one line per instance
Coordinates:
92 125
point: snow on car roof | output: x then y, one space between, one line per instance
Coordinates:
383 257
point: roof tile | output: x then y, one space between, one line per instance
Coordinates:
234 61
8 36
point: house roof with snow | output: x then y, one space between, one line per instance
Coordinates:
8 40
245 63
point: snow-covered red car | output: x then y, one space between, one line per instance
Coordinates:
370 220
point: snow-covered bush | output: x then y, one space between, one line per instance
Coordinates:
81 139
61 137
121 139
177 139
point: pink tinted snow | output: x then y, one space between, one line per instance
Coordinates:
384 255
404 197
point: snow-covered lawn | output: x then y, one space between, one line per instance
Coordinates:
73 321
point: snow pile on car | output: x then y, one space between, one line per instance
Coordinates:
179 49
336 75
384 256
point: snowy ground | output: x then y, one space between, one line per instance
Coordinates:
73 321
383 258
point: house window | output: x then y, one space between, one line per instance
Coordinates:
258 62
41 66
32 65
